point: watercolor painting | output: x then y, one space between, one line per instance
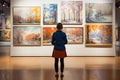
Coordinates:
74 35
49 14
26 15
47 35
99 35
98 12
72 12
26 36
5 35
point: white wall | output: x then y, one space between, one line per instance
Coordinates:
72 50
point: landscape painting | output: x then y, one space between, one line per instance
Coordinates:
26 15
98 12
5 35
26 36
7 23
99 35
47 35
72 12
74 35
49 14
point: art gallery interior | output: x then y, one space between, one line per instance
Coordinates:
92 28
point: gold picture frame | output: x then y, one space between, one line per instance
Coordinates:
26 15
98 35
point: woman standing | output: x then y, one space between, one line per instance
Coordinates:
59 40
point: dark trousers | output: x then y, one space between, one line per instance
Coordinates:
61 64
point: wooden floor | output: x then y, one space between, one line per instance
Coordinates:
41 68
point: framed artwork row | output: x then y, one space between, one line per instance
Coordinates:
74 35
71 13
96 35
32 35
5 31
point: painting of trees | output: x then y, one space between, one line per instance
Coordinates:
74 35
26 15
26 36
49 14
71 12
99 35
98 12
47 35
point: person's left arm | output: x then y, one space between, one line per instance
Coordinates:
65 39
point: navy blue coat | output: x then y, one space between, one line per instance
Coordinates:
59 39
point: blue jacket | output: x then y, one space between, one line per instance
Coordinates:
59 40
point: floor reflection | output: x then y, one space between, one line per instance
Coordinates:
42 68
99 74
5 75
69 74
117 74
34 74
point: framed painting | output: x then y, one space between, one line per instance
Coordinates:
74 34
26 36
99 35
49 14
7 23
5 35
98 12
47 35
72 12
26 15
0 22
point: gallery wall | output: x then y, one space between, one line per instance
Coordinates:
76 26
5 26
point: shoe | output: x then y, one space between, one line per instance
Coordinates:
57 75
62 75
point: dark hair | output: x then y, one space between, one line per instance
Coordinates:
59 26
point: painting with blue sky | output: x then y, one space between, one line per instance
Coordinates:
49 14
99 35
98 12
